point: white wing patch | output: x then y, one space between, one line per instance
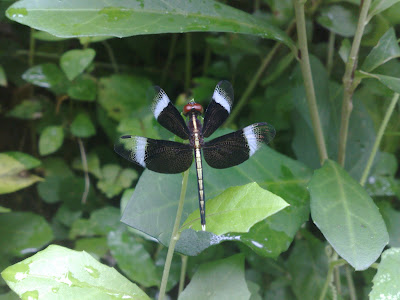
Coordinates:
253 137
161 101
222 98
138 148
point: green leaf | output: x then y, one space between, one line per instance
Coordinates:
51 139
237 209
121 95
347 216
93 163
387 279
339 19
386 49
392 221
48 76
4 209
378 6
27 110
66 216
68 274
3 77
132 258
83 88
28 161
308 268
23 233
82 126
344 50
45 36
74 62
223 278
114 179
13 174
134 18
156 198
392 83
96 246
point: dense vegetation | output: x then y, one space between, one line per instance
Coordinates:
76 76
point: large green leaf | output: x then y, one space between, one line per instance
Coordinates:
392 83
127 18
82 126
387 49
338 18
347 216
153 206
379 6
329 95
223 279
237 209
59 272
387 279
48 76
22 233
13 174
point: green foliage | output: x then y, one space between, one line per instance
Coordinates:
69 88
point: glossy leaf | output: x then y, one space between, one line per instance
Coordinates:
68 274
156 198
23 233
74 62
223 278
347 216
121 95
237 209
95 18
387 49
48 76
82 126
379 6
13 174
339 19
27 110
51 139
387 279
132 258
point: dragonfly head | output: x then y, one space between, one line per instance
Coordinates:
193 107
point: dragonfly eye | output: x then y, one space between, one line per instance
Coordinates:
193 106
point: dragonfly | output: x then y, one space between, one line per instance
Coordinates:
172 157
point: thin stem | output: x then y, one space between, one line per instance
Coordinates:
308 81
112 56
378 139
331 48
328 280
349 83
188 64
174 237
171 53
350 283
85 171
183 274
256 78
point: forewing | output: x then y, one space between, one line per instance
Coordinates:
219 108
167 115
156 155
234 148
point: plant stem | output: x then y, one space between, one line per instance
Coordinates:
188 64
308 81
111 55
332 265
250 88
183 274
378 139
171 53
331 48
349 83
85 171
174 237
350 284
